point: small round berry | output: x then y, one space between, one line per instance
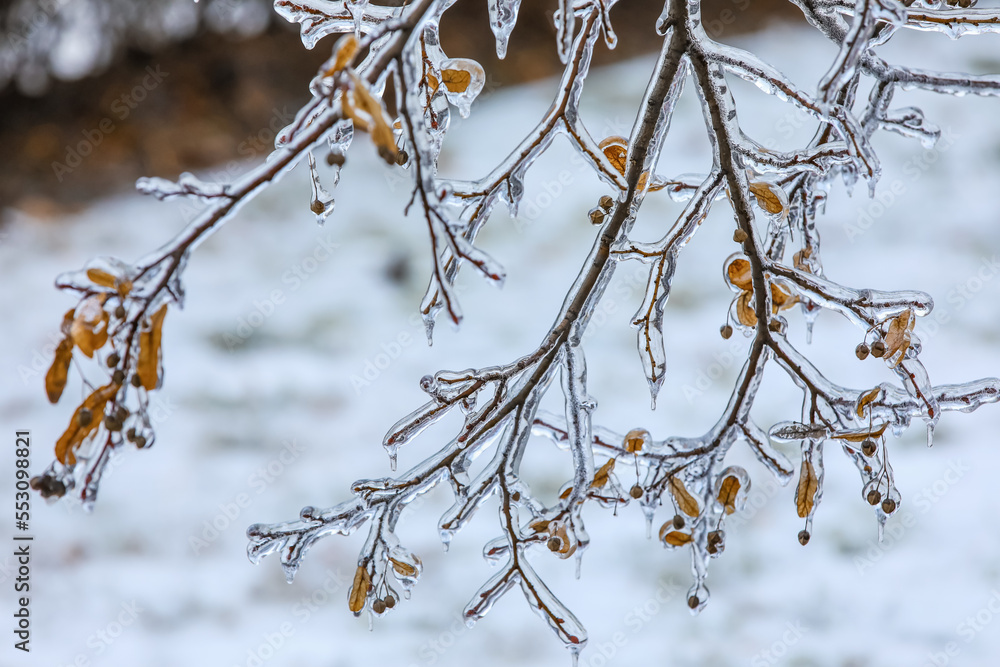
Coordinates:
130 434
515 496
740 236
140 441
606 202
112 360
121 413
118 377
135 381
878 349
554 544
378 606
678 521
120 312
335 159
636 491
868 447
861 351
402 157
888 505
84 417
873 497
317 206
693 602
390 601
726 331
596 216
111 423
804 537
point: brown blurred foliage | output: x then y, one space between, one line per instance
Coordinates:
213 103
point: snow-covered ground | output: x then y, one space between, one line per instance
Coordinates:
299 347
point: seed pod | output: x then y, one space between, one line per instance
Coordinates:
873 497
596 216
130 434
390 601
378 606
335 159
515 496
140 441
861 351
878 349
636 491
726 331
804 537
868 447
693 602
402 157
121 413
359 590
888 505
716 542
112 360
120 312
112 424
317 206
606 202
740 236
84 417
554 543
678 521
118 377
135 381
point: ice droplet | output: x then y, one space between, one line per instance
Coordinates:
322 201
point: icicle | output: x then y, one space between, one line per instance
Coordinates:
322 201
579 562
503 16
574 653
930 434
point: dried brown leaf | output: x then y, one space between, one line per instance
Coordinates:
805 492
602 475
685 501
102 278
456 80
861 434
147 366
767 198
359 590
781 298
636 439
728 491
565 494
673 538
345 49
89 328
739 274
865 400
744 310
402 568
897 338
75 434
55 379
616 150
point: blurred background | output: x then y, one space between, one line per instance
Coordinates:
227 65
298 347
